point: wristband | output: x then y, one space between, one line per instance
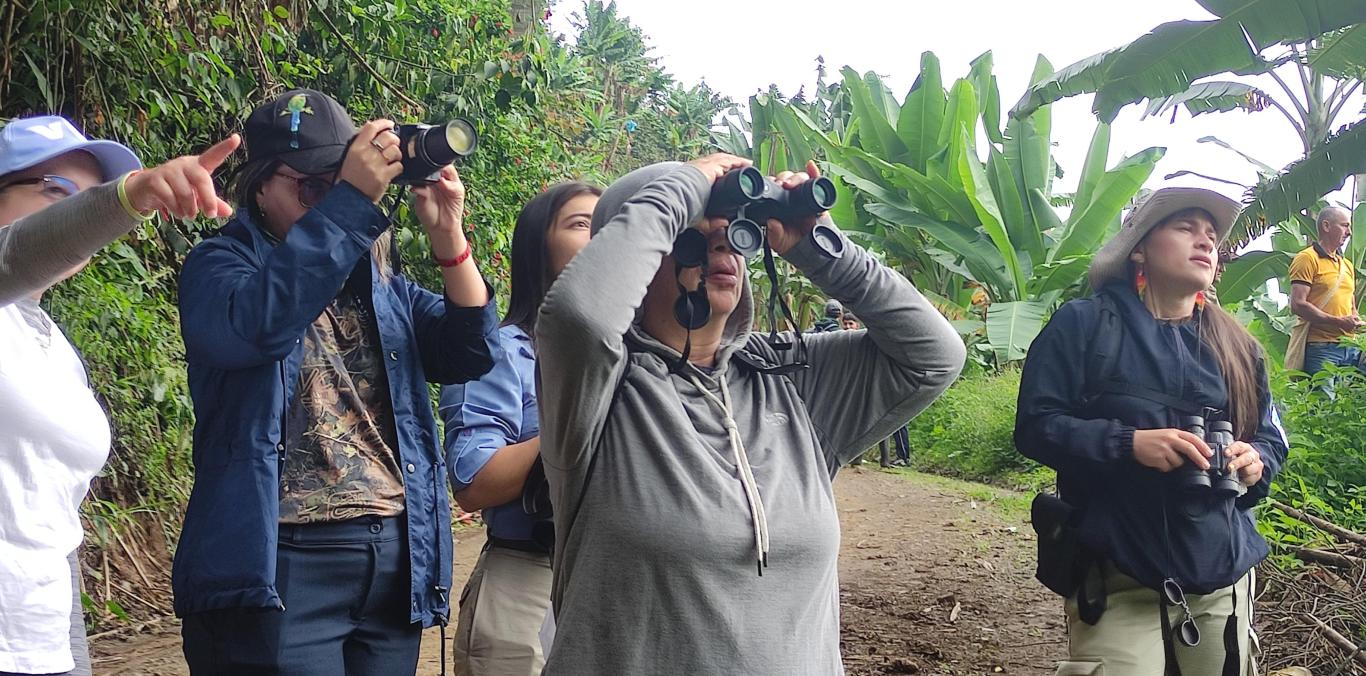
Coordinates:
452 262
128 204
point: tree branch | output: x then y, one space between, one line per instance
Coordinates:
1304 138
360 59
1347 536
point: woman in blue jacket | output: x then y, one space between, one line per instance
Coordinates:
320 488
1163 582
493 442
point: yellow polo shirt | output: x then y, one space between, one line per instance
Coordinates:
1319 270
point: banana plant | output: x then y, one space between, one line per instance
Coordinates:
918 165
1323 41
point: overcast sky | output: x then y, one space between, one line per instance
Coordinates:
739 47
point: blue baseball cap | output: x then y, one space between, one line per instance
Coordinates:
29 141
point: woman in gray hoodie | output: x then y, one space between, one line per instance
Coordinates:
696 529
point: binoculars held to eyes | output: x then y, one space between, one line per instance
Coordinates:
749 199
428 148
1219 436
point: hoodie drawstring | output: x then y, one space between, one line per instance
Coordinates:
737 447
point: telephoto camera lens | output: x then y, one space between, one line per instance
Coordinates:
428 148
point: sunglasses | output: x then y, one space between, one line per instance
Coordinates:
53 187
1187 632
311 189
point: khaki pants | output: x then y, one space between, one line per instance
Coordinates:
1128 639
501 611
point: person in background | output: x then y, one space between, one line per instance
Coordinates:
1323 295
62 198
850 322
493 443
1161 581
317 540
830 318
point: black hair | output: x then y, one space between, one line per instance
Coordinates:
531 275
246 180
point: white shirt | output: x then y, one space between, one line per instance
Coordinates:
54 437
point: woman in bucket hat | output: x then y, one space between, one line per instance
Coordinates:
62 198
1154 540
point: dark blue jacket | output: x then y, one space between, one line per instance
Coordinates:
244 307
1207 543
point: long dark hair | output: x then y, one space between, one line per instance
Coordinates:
531 276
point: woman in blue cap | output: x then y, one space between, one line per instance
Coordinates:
62 198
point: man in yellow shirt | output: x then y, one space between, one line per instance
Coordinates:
1322 285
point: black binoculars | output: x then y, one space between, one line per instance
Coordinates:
1219 436
749 199
427 148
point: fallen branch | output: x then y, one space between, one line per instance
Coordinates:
1325 526
1340 641
1328 558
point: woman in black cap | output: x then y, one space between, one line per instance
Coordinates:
320 492
1125 394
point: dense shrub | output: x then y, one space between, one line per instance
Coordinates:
1326 471
968 433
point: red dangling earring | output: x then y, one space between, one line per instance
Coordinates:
1140 282
1200 300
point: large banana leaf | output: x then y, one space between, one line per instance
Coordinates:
922 114
988 96
974 179
1174 55
1011 327
1087 224
1211 97
1301 185
1082 77
1019 224
1097 154
875 131
1246 275
1342 55
979 256
1059 275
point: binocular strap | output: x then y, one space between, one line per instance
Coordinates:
776 302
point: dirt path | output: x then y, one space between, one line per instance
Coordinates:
936 578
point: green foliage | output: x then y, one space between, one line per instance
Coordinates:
1326 472
969 433
957 216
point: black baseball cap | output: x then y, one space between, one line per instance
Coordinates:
303 128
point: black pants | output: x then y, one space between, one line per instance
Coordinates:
345 590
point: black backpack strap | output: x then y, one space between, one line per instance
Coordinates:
1106 342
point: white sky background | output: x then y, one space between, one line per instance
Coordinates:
739 47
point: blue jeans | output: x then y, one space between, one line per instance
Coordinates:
1318 354
345 588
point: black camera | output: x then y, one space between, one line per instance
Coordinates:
749 199
1218 435
428 148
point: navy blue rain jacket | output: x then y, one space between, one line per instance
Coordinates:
1133 515
244 307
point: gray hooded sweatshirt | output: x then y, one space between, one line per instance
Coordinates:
661 512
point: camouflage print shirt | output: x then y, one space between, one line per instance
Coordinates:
341 460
